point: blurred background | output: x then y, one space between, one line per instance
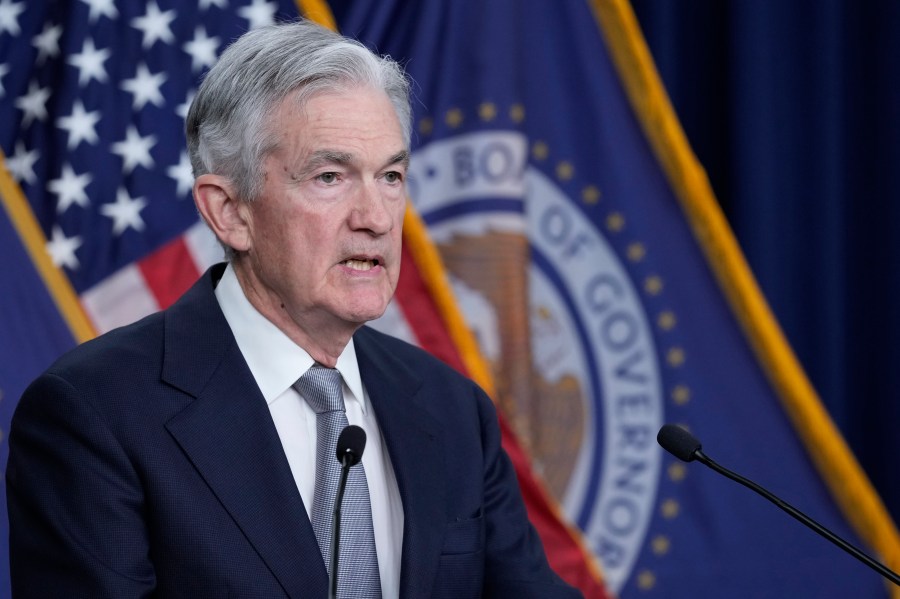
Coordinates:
793 108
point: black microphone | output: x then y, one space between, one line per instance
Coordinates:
350 445
349 450
685 446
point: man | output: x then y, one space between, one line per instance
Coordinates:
191 454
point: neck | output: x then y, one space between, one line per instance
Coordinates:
322 336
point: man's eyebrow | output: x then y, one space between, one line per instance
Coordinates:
323 157
401 157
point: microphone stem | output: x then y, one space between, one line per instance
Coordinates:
336 527
877 566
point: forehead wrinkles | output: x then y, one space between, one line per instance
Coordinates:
316 129
365 111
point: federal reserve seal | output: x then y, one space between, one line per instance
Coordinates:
559 318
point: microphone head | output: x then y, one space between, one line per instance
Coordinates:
350 444
677 441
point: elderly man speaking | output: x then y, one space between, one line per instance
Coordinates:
192 454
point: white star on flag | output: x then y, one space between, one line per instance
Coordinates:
34 103
135 150
47 42
90 63
21 164
62 248
125 212
205 4
70 188
81 125
101 8
9 16
182 174
202 50
145 87
155 25
260 13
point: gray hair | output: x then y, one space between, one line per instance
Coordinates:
227 125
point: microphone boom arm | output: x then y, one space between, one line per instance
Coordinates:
797 514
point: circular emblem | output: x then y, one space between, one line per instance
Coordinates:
559 319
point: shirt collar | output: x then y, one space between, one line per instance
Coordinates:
275 361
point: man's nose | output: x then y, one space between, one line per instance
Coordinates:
371 211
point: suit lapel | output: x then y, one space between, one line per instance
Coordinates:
416 453
228 434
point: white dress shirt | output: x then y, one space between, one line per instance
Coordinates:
276 363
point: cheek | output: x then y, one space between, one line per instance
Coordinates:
292 232
394 272
284 248
399 209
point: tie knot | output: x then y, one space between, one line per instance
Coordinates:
322 389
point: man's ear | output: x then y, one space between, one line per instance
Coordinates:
223 211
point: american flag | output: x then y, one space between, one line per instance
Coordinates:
93 96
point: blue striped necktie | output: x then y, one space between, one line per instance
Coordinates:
358 565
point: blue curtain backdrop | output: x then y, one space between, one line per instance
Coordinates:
794 109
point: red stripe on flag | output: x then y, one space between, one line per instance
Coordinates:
424 319
566 557
169 272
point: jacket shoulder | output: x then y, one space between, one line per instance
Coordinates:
139 343
413 356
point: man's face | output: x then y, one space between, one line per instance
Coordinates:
325 232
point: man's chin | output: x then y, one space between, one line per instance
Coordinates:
361 314
360 304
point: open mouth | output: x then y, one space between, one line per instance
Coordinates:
361 263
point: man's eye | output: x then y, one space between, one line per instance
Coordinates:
328 178
393 177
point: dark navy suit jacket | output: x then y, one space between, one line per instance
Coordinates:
146 463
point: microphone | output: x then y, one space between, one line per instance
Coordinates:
350 445
685 446
679 442
349 450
